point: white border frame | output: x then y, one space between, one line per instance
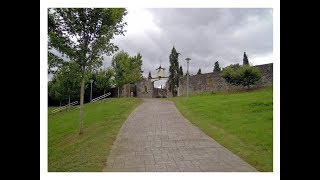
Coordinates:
275 4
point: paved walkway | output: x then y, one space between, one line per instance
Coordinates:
156 137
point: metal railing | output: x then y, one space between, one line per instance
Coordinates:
64 107
101 97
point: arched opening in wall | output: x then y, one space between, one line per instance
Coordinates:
145 89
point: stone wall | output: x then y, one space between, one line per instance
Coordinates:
159 93
126 92
144 88
141 89
162 93
169 94
267 74
214 82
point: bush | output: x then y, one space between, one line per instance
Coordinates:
241 75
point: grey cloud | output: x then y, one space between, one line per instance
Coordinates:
204 35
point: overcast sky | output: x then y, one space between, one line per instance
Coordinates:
204 35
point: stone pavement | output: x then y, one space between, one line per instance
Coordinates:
157 138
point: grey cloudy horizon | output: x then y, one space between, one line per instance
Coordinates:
205 35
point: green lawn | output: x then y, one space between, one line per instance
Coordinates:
241 122
69 151
51 108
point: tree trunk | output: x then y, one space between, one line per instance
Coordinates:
69 103
81 105
104 91
118 92
60 103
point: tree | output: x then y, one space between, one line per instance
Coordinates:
231 75
54 63
104 79
199 71
249 75
245 59
216 67
245 75
134 74
55 91
83 35
120 64
181 71
127 69
234 66
70 79
65 83
174 71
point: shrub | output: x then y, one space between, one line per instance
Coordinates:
241 75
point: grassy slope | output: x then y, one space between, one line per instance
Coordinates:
242 122
69 151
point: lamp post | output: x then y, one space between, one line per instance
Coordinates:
188 59
91 81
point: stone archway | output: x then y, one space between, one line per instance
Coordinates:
146 89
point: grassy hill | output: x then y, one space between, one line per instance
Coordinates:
240 121
69 151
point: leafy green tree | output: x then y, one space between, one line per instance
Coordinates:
54 63
216 67
104 79
83 35
55 90
134 74
245 59
66 83
244 75
199 71
249 75
127 69
174 71
234 66
70 79
231 75
120 64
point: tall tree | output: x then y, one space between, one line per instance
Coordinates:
70 79
120 64
245 59
83 35
65 83
174 71
127 69
199 71
105 79
54 63
181 71
55 90
216 67
134 73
